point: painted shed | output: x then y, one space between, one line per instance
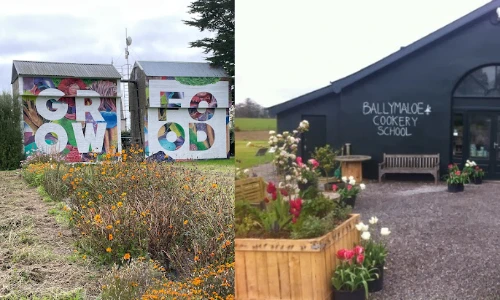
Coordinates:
440 94
69 108
180 109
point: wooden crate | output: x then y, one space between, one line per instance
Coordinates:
251 189
291 269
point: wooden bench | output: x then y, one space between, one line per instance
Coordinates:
252 189
409 164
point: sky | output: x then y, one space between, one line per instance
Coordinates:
285 49
94 32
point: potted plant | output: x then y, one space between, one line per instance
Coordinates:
326 158
351 277
456 179
375 251
476 173
294 234
348 191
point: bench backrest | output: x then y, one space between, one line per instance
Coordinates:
252 189
421 161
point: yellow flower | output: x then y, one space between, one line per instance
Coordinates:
214 185
108 250
109 226
84 256
126 256
119 204
185 222
113 207
117 222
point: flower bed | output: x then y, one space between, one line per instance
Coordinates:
291 269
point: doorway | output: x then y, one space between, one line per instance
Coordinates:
315 137
476 137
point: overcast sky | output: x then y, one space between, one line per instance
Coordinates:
94 32
288 48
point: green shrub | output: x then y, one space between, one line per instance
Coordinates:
11 140
326 158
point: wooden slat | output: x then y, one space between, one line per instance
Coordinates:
284 275
240 275
262 279
251 275
273 275
250 189
295 278
306 274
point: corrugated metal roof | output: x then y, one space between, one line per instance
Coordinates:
184 69
338 85
38 68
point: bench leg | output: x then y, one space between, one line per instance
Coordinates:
380 177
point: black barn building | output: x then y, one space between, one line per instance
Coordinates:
440 94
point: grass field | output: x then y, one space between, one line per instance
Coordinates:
248 124
245 156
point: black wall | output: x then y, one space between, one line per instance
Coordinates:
429 76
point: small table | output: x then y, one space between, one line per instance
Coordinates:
351 165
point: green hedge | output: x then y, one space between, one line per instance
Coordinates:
11 141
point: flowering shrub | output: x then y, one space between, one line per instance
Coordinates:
351 274
455 176
38 157
374 243
242 174
182 215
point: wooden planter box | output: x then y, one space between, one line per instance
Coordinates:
251 189
291 269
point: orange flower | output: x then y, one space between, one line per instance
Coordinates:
214 185
117 222
185 222
196 258
99 196
108 250
110 237
109 227
126 256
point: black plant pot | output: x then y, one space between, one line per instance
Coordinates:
455 187
304 186
348 295
377 284
350 201
477 180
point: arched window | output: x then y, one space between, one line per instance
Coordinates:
482 82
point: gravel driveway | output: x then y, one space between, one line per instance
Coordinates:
442 245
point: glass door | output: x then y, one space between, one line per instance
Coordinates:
484 140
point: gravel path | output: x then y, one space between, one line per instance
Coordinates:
442 245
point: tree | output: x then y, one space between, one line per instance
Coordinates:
215 16
251 109
11 145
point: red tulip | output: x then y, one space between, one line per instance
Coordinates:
299 161
477 168
341 254
314 162
349 254
334 187
360 258
274 195
266 200
358 250
457 173
450 166
349 187
284 192
294 219
271 188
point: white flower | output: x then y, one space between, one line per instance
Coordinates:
292 156
360 226
281 162
467 164
373 220
344 179
246 171
292 139
248 144
474 164
365 235
295 132
352 182
365 227
283 153
304 181
351 178
288 177
384 231
297 191
272 132
281 185
362 186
